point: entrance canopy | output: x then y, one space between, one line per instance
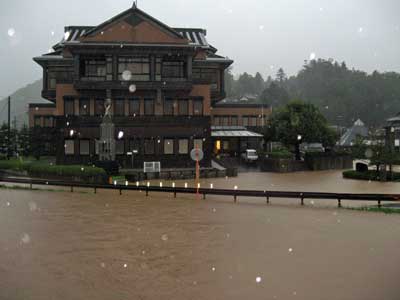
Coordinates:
233 131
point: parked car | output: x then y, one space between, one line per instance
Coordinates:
250 155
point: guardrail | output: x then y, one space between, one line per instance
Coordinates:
267 195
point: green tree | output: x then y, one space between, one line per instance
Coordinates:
24 144
299 122
281 76
275 95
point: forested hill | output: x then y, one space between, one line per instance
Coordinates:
342 94
20 100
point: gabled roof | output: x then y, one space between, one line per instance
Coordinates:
349 137
135 12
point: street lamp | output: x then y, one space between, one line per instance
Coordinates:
299 139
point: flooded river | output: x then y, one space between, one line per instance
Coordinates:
62 245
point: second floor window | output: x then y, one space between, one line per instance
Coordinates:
119 107
139 68
84 107
169 107
173 69
149 107
48 121
198 107
93 69
234 121
99 109
69 107
183 107
134 107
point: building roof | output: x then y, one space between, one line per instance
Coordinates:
395 120
349 137
233 131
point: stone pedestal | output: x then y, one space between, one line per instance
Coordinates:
107 140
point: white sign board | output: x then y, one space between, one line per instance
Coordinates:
152 167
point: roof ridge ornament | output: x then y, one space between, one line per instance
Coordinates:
134 5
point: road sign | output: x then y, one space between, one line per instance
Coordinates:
197 154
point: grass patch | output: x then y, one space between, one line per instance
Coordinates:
25 188
385 210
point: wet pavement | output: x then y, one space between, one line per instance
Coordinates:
61 245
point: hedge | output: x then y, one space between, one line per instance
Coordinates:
40 169
280 154
369 175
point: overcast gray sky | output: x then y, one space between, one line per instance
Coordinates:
260 35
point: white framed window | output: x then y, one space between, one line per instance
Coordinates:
168 146
183 146
198 144
84 147
69 147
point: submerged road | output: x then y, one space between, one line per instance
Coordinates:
62 245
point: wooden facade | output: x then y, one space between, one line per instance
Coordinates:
162 82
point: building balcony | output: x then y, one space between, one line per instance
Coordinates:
137 121
165 84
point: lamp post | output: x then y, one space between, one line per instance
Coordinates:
298 142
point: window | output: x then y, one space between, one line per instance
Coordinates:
198 107
149 107
69 107
216 121
84 147
158 68
99 109
225 145
84 107
134 107
149 146
69 147
52 82
38 121
138 66
225 121
134 145
183 107
208 76
168 107
48 122
198 144
234 121
183 146
168 146
93 69
253 121
119 147
119 107
172 67
245 121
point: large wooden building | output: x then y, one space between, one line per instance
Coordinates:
162 82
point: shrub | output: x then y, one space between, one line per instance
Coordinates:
280 154
46 169
369 175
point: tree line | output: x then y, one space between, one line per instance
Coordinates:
343 95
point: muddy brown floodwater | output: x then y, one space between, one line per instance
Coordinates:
61 245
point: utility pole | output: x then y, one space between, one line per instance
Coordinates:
9 128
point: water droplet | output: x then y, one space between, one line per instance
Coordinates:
25 238
313 56
125 265
261 27
132 88
126 75
214 210
32 206
103 265
360 30
290 250
8 203
164 237
11 32
258 279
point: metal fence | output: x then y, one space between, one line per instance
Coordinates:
235 193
